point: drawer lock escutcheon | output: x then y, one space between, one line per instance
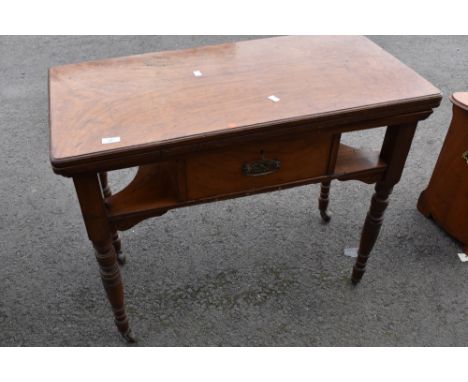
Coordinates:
261 167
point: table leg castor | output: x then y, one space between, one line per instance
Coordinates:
128 337
323 201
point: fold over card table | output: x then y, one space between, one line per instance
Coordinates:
219 122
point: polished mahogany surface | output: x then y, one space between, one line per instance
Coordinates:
151 99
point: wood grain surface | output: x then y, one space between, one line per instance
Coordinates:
446 197
155 98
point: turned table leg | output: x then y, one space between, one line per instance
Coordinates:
323 200
394 151
371 229
106 191
99 232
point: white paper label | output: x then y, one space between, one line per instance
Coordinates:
106 141
463 257
350 252
197 73
273 98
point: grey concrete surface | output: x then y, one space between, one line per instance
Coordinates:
260 270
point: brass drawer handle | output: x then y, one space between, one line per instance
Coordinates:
261 167
465 156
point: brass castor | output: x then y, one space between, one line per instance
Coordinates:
325 216
128 337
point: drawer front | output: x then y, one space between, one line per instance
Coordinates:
247 167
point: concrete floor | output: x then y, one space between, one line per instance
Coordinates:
260 270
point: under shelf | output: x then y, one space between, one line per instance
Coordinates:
352 162
156 188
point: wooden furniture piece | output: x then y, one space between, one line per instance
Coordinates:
223 121
446 198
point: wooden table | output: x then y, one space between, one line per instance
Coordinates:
223 121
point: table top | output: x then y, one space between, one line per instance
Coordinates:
125 104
